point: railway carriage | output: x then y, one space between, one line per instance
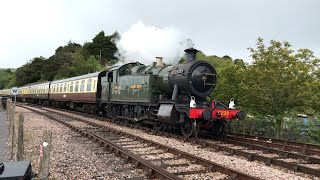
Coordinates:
75 93
23 93
5 92
4 95
38 93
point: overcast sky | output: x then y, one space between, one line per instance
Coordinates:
221 27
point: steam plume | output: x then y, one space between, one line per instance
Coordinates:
143 43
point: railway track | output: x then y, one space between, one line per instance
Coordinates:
151 156
282 157
298 147
270 156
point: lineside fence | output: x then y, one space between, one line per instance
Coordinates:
16 141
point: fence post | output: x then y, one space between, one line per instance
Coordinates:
7 111
20 148
45 148
10 116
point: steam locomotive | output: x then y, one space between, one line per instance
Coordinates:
162 96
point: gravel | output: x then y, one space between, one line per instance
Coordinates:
72 156
4 135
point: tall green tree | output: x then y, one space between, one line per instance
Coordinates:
30 72
279 80
54 63
79 66
6 75
104 45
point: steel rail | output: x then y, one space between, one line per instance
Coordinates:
288 142
306 149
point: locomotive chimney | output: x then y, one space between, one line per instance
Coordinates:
159 62
191 54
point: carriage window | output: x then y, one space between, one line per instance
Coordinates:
60 85
82 86
76 86
94 85
71 87
89 84
65 87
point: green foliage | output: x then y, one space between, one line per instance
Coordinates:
71 47
230 76
30 72
79 66
104 45
6 75
215 61
279 80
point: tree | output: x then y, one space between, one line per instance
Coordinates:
279 81
30 72
230 84
6 75
214 60
71 47
239 62
104 45
54 63
79 66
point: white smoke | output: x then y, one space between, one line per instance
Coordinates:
143 43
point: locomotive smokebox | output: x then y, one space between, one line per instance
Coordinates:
198 78
191 54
